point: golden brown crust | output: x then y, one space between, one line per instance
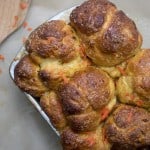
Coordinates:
54 39
26 77
78 98
85 96
120 38
93 86
142 86
74 141
57 49
129 126
72 99
109 35
52 107
131 91
134 87
140 64
84 122
90 16
85 141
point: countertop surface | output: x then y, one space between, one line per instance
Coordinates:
21 126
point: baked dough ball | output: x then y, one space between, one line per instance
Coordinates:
84 141
140 64
51 105
87 99
55 47
128 126
26 77
134 87
109 35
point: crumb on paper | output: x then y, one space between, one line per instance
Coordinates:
25 24
29 29
2 57
23 5
16 18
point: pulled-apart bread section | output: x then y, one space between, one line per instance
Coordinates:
109 35
93 140
87 99
51 105
26 77
55 47
134 87
128 126
54 39
78 108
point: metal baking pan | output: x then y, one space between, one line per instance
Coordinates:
62 16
